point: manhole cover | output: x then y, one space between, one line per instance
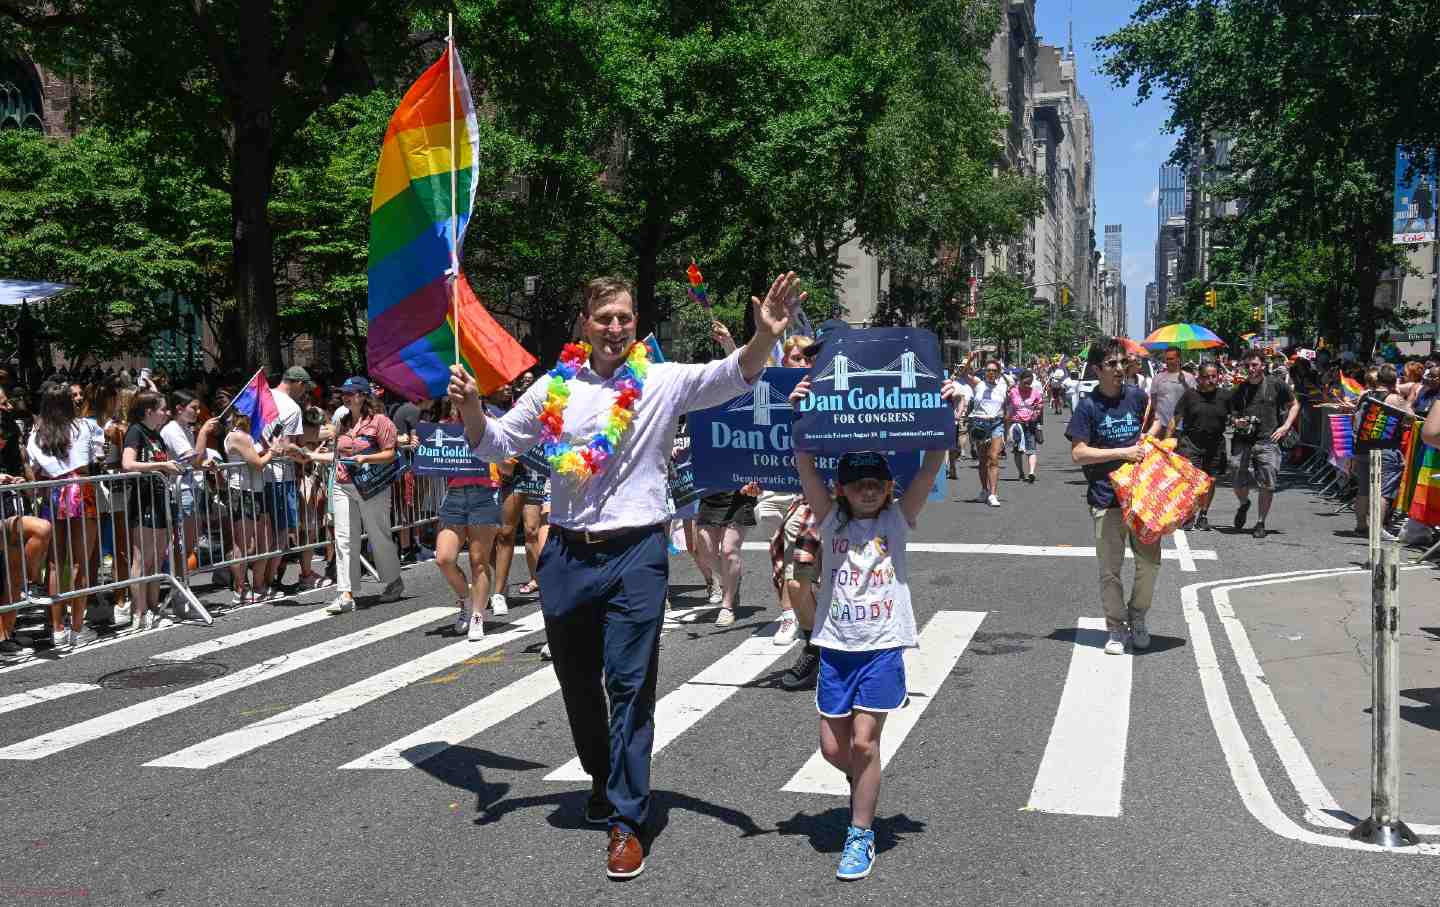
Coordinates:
148 677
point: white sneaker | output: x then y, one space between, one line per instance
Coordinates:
545 652
343 602
498 605
393 592
788 628
1115 645
476 631
1139 634
717 595
62 639
462 620
237 599
725 618
993 501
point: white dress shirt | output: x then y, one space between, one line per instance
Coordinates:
631 490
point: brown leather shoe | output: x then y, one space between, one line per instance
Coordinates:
626 858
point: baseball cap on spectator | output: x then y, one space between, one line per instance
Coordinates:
356 385
297 375
859 465
826 330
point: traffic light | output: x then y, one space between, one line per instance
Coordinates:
1210 298
1064 296
1256 313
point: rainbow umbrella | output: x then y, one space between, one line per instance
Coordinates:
1183 337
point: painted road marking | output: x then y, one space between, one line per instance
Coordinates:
1239 757
1183 552
510 700
43 694
1083 770
942 642
1168 554
684 706
220 643
227 746
140 713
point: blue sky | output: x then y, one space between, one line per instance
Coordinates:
1129 143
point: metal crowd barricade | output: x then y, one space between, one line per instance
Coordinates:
415 503
79 510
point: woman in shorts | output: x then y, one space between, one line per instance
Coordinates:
60 447
149 498
469 515
244 498
533 487
724 520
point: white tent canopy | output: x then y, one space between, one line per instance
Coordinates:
14 292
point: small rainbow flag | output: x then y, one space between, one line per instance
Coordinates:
1350 389
699 290
412 324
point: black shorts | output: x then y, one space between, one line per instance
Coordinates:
730 508
1209 458
149 506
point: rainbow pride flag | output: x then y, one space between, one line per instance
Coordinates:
1425 505
1350 389
412 327
1342 437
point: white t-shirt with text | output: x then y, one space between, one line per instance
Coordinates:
864 603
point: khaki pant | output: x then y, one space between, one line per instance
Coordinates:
1111 534
354 515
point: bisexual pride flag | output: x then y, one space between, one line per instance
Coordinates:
256 403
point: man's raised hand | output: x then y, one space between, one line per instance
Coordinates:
772 315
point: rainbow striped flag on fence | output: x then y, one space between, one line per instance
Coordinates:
1425 505
421 180
1342 437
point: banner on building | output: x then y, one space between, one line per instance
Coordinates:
1414 198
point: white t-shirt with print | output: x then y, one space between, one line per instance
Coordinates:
864 604
990 398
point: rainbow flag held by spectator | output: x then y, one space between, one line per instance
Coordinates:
1413 456
1350 389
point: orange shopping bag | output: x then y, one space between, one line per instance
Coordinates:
1160 492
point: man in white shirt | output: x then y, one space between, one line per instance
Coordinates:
605 568
281 496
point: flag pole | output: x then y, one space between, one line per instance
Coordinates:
454 167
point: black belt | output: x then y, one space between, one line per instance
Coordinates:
604 536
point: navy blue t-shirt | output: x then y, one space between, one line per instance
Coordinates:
1107 422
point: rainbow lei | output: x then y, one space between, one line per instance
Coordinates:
589 460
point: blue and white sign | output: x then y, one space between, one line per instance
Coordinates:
443 451
747 439
876 389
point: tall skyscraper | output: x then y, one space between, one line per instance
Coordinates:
1172 193
1113 246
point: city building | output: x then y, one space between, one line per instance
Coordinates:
1153 315
1169 240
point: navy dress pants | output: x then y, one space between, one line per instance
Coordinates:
604 604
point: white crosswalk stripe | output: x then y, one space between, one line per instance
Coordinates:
942 642
702 694
227 746
142 712
1083 770
230 640
43 694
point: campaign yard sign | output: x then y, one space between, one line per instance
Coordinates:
876 389
747 439
443 451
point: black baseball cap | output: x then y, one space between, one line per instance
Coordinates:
828 328
862 465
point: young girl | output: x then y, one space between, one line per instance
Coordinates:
863 620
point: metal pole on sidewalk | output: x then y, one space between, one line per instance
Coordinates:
1384 826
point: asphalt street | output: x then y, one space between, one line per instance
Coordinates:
249 803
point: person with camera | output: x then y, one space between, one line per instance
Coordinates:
1201 414
1263 410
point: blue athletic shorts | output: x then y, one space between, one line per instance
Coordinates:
869 681
282 502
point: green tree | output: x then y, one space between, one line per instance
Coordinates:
1008 313
123 226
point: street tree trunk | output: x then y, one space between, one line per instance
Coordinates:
254 250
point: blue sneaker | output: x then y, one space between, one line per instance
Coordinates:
858 857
